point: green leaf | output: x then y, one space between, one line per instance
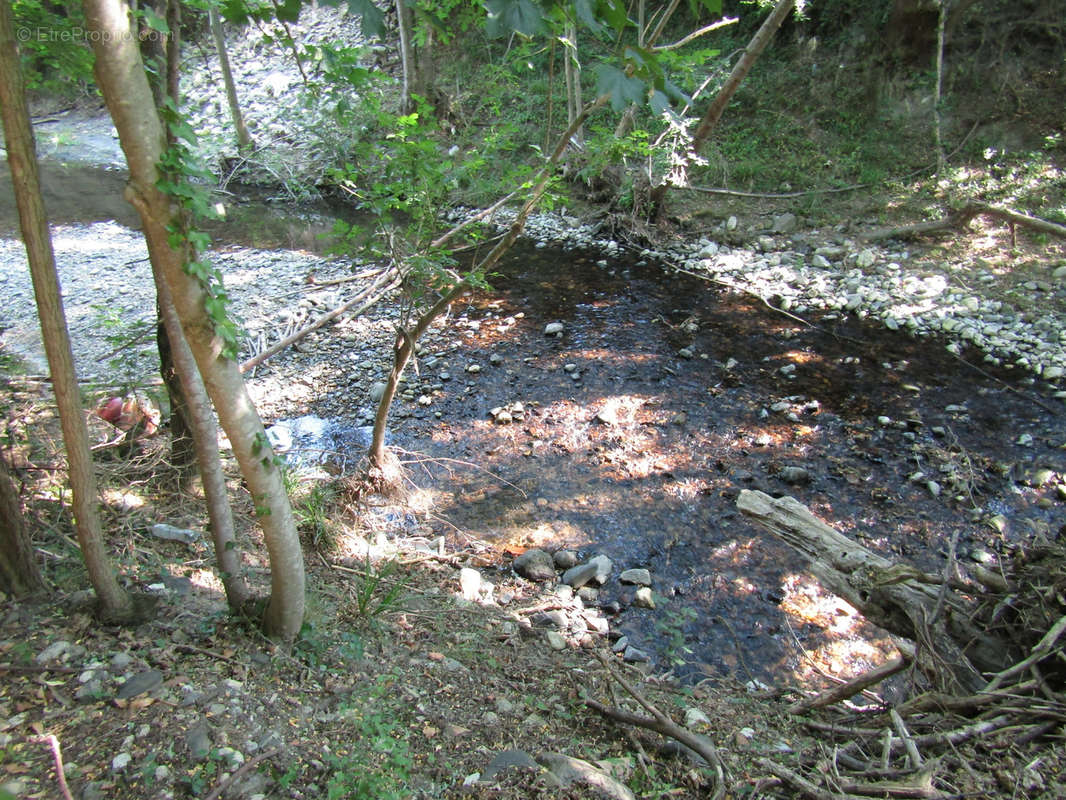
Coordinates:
519 16
622 88
613 12
586 12
713 7
235 12
153 20
373 19
288 10
659 103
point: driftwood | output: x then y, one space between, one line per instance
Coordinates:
1009 626
958 219
386 281
899 598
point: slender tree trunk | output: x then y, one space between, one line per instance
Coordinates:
572 72
425 68
404 20
205 438
115 603
714 112
121 80
19 574
406 339
751 54
194 435
244 139
174 52
182 449
941 161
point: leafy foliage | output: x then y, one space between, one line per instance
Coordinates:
55 55
179 171
377 590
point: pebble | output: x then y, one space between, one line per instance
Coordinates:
554 329
638 576
535 565
469 583
644 598
579 575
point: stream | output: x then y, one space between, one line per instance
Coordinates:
660 400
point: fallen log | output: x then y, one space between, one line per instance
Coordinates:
899 598
961 217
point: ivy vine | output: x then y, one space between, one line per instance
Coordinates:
185 180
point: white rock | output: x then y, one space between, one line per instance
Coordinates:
644 598
469 583
695 718
554 329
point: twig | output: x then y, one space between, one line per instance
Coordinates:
188 648
1007 386
660 723
854 686
240 773
913 755
375 292
798 782
57 756
1040 652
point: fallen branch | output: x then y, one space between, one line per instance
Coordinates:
857 684
802 785
897 597
1039 653
57 757
660 723
388 280
960 218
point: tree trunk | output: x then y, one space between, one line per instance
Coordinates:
572 71
115 603
751 54
404 21
729 88
121 80
425 69
204 438
244 139
18 568
174 52
182 450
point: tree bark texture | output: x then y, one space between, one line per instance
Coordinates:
203 435
19 574
121 79
115 603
